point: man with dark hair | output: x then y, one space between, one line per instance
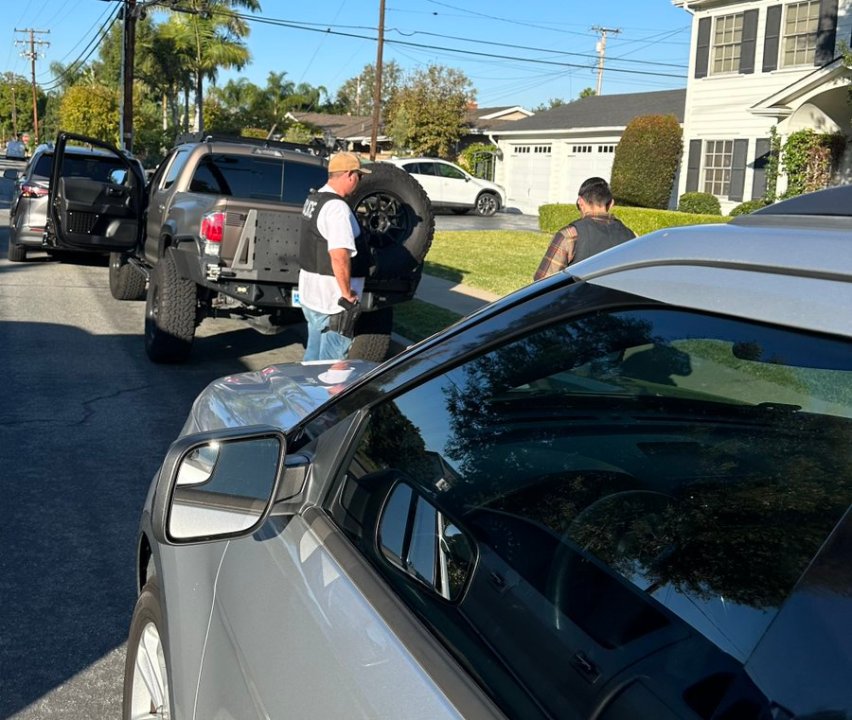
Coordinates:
595 231
334 260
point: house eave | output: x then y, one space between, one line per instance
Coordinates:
779 103
561 131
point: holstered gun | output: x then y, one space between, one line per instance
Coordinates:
343 323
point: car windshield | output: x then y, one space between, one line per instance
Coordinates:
96 167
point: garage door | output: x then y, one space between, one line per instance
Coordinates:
528 177
587 160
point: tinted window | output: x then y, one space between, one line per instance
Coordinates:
248 177
300 179
206 179
644 489
448 171
174 168
95 167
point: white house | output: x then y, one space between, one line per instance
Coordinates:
545 158
755 64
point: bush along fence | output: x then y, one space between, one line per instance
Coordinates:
639 220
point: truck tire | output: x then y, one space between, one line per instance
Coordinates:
396 216
372 335
16 253
169 313
125 281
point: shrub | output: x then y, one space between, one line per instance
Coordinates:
478 159
646 160
749 206
699 203
809 160
640 220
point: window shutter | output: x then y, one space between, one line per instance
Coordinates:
761 162
826 33
738 166
702 53
748 42
772 39
693 166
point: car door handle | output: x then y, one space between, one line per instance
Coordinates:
115 192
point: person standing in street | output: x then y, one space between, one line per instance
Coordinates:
595 231
334 261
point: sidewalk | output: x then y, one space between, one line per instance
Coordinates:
461 299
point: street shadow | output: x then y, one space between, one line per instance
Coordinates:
81 436
445 272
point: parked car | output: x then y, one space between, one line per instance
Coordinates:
16 150
621 492
28 216
218 235
448 186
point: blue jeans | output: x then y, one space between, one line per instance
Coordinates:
323 344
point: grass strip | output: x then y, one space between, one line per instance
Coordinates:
416 319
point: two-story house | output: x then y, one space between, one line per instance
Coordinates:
755 64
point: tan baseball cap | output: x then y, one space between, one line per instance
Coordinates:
345 162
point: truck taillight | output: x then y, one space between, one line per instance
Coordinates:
30 190
213 227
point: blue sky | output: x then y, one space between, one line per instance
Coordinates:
514 52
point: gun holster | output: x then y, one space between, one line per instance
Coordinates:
343 323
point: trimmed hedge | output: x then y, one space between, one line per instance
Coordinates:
749 206
700 203
640 220
646 160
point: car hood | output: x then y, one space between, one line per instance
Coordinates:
279 395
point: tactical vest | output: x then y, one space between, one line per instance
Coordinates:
313 247
594 236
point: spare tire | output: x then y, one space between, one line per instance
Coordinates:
397 218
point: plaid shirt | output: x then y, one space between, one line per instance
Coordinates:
560 253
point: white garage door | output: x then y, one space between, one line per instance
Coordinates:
528 177
587 160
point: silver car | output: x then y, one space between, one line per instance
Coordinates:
621 492
28 209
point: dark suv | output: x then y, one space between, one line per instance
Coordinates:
28 210
218 235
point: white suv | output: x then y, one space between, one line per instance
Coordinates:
448 186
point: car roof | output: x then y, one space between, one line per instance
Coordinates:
421 159
252 147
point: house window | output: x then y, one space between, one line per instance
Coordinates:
542 149
800 33
521 149
606 148
727 43
581 149
717 167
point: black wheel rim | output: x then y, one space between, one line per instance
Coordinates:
384 219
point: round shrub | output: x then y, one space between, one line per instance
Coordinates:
699 203
749 206
646 160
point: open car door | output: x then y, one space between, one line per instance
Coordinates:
96 198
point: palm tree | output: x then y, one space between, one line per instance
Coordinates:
210 33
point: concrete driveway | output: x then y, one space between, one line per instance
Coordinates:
446 220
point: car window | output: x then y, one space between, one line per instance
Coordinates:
300 179
96 167
448 171
207 179
175 166
248 177
641 490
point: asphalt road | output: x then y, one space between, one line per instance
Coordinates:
84 422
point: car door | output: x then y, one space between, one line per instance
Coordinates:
160 193
99 211
456 187
425 173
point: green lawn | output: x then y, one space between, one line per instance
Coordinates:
496 260
416 319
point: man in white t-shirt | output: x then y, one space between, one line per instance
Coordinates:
333 256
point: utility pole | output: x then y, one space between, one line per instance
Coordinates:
377 90
601 48
128 49
14 111
32 54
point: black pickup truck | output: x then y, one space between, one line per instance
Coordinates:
215 232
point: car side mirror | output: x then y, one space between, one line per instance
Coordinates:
118 176
218 485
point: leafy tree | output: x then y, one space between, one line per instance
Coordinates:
23 95
210 34
587 92
550 104
646 161
91 109
427 113
355 96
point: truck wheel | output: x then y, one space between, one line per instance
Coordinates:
125 281
372 335
396 215
17 253
169 313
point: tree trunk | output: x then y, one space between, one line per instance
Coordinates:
199 103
